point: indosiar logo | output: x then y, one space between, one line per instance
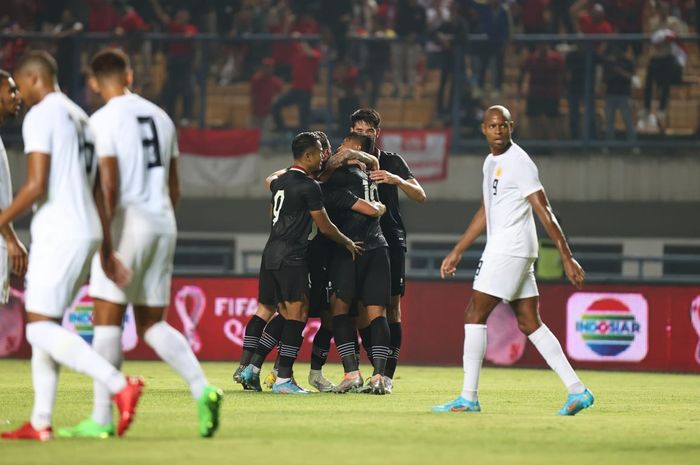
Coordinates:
607 327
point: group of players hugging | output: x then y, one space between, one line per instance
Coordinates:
336 251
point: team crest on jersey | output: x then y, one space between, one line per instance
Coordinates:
499 172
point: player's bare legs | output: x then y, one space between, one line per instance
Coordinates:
529 322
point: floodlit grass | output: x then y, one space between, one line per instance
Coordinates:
637 419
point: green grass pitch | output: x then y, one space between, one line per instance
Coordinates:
637 418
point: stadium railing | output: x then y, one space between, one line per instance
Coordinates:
466 137
423 264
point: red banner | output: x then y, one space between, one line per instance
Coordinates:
619 327
425 150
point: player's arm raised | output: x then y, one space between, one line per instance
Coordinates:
342 156
474 230
331 231
403 178
540 204
273 176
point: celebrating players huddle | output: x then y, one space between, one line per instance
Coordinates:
336 251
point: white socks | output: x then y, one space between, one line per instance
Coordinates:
474 350
106 342
550 349
172 347
45 380
52 344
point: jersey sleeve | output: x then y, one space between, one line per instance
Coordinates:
105 141
528 178
312 195
36 132
339 198
402 168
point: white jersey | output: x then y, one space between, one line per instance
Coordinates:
143 139
5 183
58 127
509 179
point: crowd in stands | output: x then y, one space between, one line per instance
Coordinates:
425 36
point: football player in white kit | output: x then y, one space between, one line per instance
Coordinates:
66 233
13 255
511 191
136 147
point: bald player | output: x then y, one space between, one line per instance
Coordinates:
66 232
511 191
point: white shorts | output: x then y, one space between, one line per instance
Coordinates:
506 277
4 275
57 269
148 253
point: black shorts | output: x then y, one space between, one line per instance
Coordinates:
397 260
367 279
287 284
547 106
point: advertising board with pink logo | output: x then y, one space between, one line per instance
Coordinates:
617 327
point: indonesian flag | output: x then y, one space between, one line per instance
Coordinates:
425 150
212 160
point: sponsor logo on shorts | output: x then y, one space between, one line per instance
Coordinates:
607 327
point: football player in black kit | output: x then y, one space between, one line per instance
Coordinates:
365 280
263 332
297 203
393 174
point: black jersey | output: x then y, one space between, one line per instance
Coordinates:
392 224
294 195
340 192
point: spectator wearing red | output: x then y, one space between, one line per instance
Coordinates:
534 16
595 22
103 16
305 63
265 86
180 61
546 69
131 22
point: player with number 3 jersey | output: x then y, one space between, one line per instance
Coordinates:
136 148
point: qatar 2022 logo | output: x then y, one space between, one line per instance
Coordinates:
607 327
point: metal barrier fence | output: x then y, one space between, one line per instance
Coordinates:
149 54
623 269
